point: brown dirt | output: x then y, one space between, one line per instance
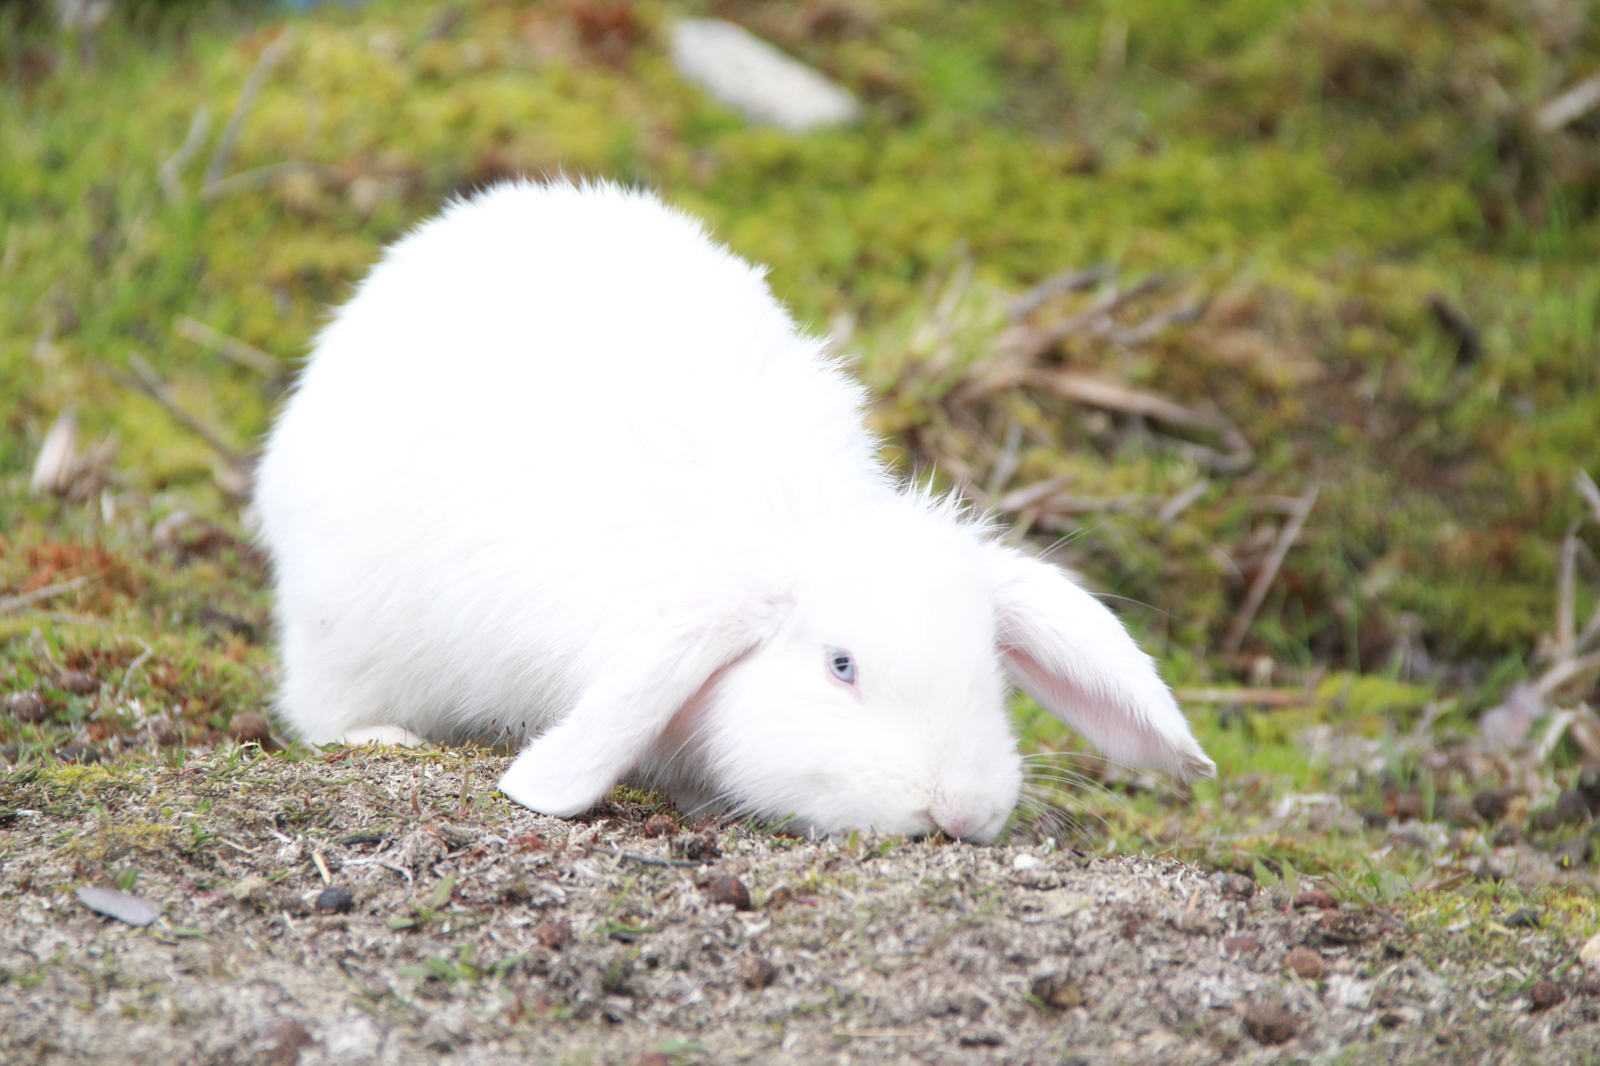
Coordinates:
868 950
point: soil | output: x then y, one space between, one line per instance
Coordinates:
471 931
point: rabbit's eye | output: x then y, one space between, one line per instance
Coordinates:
843 666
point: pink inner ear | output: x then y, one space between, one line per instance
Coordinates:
1123 733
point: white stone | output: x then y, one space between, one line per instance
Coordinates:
745 73
1589 954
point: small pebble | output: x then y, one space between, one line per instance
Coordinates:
1589 785
1589 954
1315 897
1130 928
1240 945
1409 806
1526 918
1492 803
1305 962
1544 995
336 900
1343 928
254 890
755 971
1575 852
249 727
553 934
77 682
165 732
1270 1023
731 890
1545 819
1058 991
27 707
1234 886
1571 806
697 847
660 825
76 752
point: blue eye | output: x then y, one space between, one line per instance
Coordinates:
843 667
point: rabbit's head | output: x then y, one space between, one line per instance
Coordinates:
864 688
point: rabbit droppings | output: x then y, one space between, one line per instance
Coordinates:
564 474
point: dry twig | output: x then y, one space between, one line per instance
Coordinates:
270 55
1268 573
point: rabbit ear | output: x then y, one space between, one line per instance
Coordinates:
1062 646
570 767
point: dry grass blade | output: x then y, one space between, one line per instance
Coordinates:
1025 497
1589 491
144 379
1257 697
1567 671
1111 395
1566 594
256 178
1178 504
232 348
169 174
1268 573
16 603
270 55
1056 285
1566 108
1023 344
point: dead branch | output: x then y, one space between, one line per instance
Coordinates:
270 55
1268 572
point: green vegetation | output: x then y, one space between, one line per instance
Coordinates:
1374 256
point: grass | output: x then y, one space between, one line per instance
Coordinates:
1391 271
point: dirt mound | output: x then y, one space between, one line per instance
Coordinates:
389 907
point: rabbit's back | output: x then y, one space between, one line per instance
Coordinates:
542 415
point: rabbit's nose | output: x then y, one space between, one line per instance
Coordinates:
963 816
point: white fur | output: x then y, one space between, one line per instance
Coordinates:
563 473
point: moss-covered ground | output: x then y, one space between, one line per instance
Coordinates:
1353 246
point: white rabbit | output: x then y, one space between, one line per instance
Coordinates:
564 474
